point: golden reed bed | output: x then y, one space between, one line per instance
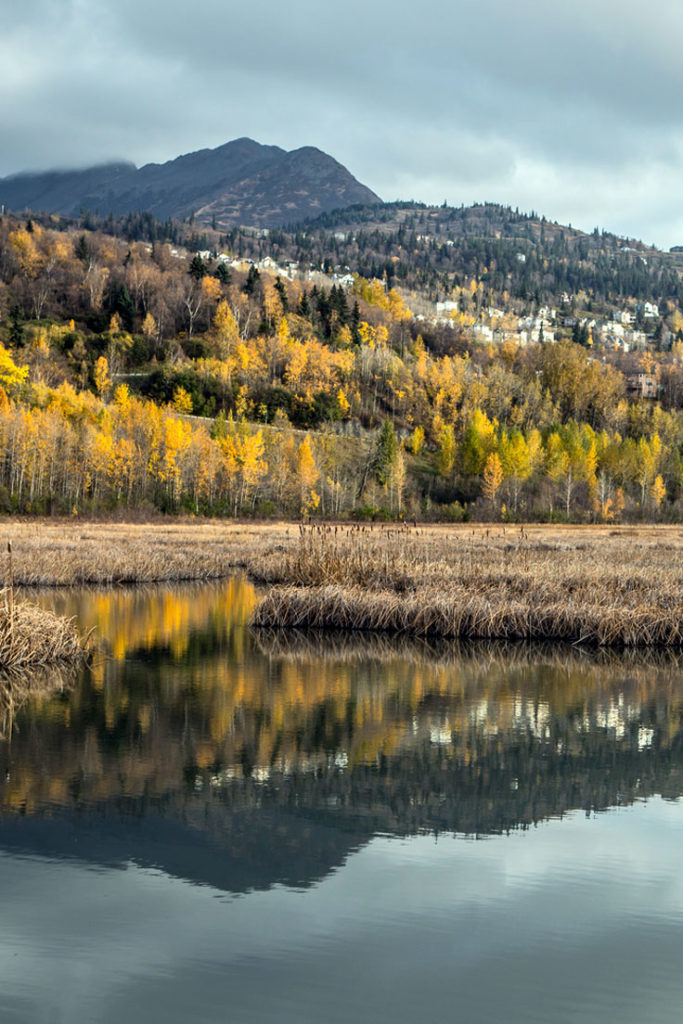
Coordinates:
615 588
619 586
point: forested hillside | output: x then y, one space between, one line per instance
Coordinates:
140 375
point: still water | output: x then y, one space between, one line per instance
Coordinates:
210 825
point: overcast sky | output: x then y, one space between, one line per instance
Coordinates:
573 110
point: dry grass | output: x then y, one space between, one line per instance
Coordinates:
31 637
602 585
72 553
591 586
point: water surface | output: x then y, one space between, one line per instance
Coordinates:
211 825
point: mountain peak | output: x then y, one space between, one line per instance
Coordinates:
239 182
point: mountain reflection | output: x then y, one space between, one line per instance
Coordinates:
244 759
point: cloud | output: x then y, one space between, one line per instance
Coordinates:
559 109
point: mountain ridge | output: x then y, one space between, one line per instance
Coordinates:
240 182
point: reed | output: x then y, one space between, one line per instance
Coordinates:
31 637
601 589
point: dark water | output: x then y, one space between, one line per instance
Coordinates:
214 826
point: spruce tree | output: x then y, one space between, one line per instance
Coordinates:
386 453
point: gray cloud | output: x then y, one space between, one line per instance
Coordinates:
573 111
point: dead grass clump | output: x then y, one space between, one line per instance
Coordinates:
31 637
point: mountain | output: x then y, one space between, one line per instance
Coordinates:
241 182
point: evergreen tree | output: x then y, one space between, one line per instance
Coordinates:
282 293
386 453
82 249
121 303
355 325
253 279
222 274
17 335
198 268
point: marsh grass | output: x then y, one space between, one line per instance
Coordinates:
51 553
31 637
592 585
596 588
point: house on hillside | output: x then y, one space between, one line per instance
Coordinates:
650 310
642 385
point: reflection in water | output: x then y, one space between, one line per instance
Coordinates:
229 762
188 717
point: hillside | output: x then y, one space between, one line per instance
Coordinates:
241 182
140 374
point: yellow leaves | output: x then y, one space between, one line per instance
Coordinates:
417 440
101 453
226 330
343 404
307 475
344 336
24 248
250 458
182 401
39 345
243 455
297 361
446 455
398 308
12 377
102 379
514 456
283 335
492 478
149 326
373 337
211 289
122 397
306 468
243 356
657 491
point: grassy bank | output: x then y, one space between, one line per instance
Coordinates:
617 588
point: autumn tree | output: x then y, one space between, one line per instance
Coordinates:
492 479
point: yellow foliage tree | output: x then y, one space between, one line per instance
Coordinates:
102 379
182 401
307 475
492 478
